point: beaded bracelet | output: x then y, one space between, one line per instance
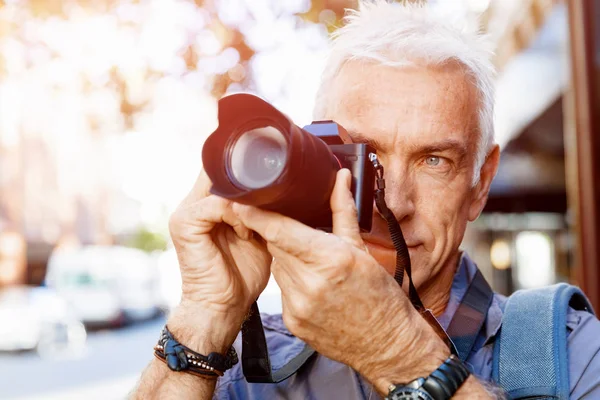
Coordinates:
181 358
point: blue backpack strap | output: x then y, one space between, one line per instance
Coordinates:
530 352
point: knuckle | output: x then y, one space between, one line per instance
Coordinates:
352 210
239 211
302 310
342 257
343 262
317 290
273 232
175 222
291 322
348 208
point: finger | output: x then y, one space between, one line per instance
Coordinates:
344 214
240 229
204 214
281 271
201 188
289 268
287 234
229 217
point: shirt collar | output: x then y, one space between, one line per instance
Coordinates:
465 273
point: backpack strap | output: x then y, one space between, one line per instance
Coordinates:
530 352
470 316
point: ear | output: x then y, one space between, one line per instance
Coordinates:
481 190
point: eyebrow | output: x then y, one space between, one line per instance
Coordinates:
358 138
459 148
455 146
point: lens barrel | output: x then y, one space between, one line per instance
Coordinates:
258 156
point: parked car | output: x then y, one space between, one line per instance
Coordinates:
36 318
169 279
106 285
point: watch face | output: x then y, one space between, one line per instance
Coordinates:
409 394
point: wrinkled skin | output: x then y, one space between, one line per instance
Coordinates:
336 295
224 266
338 291
423 124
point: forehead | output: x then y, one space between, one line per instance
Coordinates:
394 105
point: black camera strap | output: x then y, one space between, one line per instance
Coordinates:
402 256
255 354
463 329
470 316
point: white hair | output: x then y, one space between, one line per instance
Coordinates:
396 34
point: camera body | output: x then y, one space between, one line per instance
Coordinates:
258 156
355 157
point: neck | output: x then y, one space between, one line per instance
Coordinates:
435 292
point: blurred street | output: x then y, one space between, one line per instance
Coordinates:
108 369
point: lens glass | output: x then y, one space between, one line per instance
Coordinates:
258 157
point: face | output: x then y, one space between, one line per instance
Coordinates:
423 123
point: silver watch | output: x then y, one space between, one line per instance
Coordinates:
410 391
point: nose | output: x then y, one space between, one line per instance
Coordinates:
399 190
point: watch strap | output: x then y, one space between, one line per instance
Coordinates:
443 383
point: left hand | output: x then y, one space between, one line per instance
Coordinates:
338 299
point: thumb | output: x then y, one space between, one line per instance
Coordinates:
344 214
201 188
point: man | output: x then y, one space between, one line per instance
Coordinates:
419 90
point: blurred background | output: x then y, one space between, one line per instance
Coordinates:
104 107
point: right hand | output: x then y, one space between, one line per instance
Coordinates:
224 266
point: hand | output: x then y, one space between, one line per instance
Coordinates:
338 299
224 266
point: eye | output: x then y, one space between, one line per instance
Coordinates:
433 161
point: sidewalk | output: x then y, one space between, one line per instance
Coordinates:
109 390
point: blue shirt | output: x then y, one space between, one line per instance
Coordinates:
322 378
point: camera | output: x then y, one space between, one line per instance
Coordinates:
258 156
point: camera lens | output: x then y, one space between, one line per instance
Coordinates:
258 157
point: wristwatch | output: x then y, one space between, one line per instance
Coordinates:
442 384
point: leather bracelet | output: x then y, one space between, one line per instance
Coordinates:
181 358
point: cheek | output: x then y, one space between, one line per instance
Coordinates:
444 209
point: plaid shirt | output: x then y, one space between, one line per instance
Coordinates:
322 378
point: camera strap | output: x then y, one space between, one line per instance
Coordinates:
464 327
256 363
403 258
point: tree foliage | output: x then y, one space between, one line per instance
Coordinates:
148 241
17 15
